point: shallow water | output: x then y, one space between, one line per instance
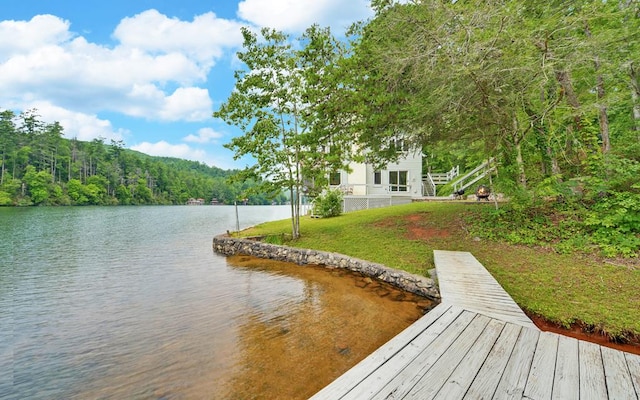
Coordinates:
131 302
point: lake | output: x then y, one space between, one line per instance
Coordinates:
131 302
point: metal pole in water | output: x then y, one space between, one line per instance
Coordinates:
237 219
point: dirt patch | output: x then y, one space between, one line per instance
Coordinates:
425 233
579 331
418 227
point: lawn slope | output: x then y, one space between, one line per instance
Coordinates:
565 289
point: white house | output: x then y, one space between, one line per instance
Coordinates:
400 179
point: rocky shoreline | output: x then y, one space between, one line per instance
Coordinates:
420 285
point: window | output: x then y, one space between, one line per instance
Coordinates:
334 179
398 181
399 145
377 178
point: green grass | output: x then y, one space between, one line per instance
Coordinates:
562 288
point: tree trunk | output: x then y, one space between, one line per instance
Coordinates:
522 177
550 161
635 96
555 168
564 79
294 228
54 165
602 110
2 171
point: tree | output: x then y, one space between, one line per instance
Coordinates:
329 143
38 185
543 87
8 141
76 191
272 104
51 142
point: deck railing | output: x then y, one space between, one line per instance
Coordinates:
475 175
355 203
428 186
363 189
441 178
432 179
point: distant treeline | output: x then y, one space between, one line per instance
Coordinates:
40 167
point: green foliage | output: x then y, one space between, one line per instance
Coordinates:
279 100
75 189
615 223
550 91
568 222
37 184
5 199
328 204
39 167
274 239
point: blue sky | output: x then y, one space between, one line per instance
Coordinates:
148 72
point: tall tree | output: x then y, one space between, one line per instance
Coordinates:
266 104
8 142
328 143
272 104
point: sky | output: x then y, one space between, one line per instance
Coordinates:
147 72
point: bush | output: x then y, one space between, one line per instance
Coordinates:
5 199
328 204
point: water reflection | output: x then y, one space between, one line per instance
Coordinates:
131 302
312 329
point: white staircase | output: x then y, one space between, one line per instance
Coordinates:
474 176
431 180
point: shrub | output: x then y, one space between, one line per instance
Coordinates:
328 204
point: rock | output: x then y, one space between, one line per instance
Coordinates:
420 285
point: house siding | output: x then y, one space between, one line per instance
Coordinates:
360 181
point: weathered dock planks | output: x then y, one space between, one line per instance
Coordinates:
465 282
464 350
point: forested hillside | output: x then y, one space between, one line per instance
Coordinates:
38 166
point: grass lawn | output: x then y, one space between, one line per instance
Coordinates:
564 289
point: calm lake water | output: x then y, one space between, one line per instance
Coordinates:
131 302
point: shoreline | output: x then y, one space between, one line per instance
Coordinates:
423 286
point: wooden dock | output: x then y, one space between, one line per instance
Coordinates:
463 281
468 347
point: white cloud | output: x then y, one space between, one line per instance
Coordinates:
222 159
204 39
184 104
297 15
152 72
156 68
183 151
190 104
22 36
84 127
165 149
204 135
